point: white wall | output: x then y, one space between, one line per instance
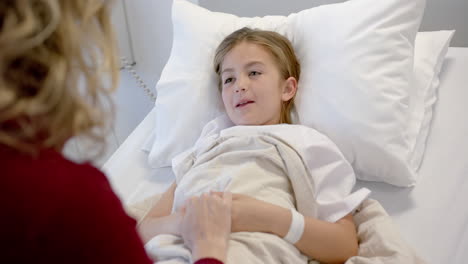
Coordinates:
439 14
448 14
151 38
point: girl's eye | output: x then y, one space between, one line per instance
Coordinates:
254 73
228 80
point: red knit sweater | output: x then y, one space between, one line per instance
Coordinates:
56 211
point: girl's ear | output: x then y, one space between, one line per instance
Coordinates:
289 89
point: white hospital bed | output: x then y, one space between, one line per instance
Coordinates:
432 216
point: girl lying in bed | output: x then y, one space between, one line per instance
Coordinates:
291 186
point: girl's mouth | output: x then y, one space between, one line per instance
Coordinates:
244 103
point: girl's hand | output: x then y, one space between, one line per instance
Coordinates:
249 214
206 225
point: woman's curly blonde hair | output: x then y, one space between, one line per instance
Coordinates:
58 65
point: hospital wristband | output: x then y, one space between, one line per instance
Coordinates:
296 229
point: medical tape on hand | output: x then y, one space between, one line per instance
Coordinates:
296 229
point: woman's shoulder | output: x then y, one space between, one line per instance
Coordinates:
51 184
48 171
76 177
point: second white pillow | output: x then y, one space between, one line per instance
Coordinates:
430 51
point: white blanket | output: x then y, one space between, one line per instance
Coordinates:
380 241
290 166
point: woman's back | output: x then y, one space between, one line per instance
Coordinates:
57 211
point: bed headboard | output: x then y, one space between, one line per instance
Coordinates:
439 14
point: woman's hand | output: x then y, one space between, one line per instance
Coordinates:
206 225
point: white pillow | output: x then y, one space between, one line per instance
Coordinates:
357 60
430 51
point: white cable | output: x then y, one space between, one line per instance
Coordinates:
296 229
138 79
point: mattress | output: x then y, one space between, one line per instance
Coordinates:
432 216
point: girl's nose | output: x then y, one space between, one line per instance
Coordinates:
240 89
242 84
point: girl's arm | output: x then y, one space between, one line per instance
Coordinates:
159 219
324 241
321 240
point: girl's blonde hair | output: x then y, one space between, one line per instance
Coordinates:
58 66
277 45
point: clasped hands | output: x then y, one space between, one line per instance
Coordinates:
207 221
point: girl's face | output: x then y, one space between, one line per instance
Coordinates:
252 87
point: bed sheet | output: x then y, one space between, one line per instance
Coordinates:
433 216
